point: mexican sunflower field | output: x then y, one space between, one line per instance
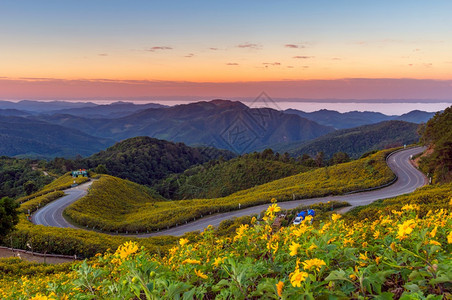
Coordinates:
399 255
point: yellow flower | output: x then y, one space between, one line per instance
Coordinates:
364 244
405 229
39 297
376 234
377 259
433 242
313 263
297 277
312 247
410 207
241 231
393 246
353 277
308 219
364 258
182 242
294 248
335 217
218 260
279 287
348 241
395 212
273 200
191 261
449 238
274 208
433 232
253 220
300 230
200 274
127 249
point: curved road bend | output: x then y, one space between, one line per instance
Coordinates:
52 213
409 179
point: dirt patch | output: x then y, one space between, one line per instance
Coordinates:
26 255
426 153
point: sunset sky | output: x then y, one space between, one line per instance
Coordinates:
225 49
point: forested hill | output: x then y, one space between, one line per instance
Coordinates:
357 141
220 178
143 160
437 134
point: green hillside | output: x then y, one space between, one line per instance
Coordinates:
359 140
143 160
221 178
437 134
116 196
115 210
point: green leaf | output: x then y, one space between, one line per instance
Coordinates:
337 275
385 296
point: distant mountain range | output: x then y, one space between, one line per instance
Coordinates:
223 124
33 138
356 118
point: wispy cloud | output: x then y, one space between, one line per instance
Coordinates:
232 64
250 46
213 48
302 57
189 55
102 54
294 46
157 48
271 64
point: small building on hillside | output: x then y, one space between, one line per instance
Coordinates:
80 172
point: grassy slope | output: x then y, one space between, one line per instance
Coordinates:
61 183
115 211
116 197
222 178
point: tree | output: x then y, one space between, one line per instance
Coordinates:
101 169
8 215
339 158
319 159
29 187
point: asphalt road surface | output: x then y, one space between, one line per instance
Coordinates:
409 179
52 213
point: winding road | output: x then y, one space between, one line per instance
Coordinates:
408 179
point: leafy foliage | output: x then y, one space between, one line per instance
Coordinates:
8 215
220 178
16 176
402 255
438 135
113 210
